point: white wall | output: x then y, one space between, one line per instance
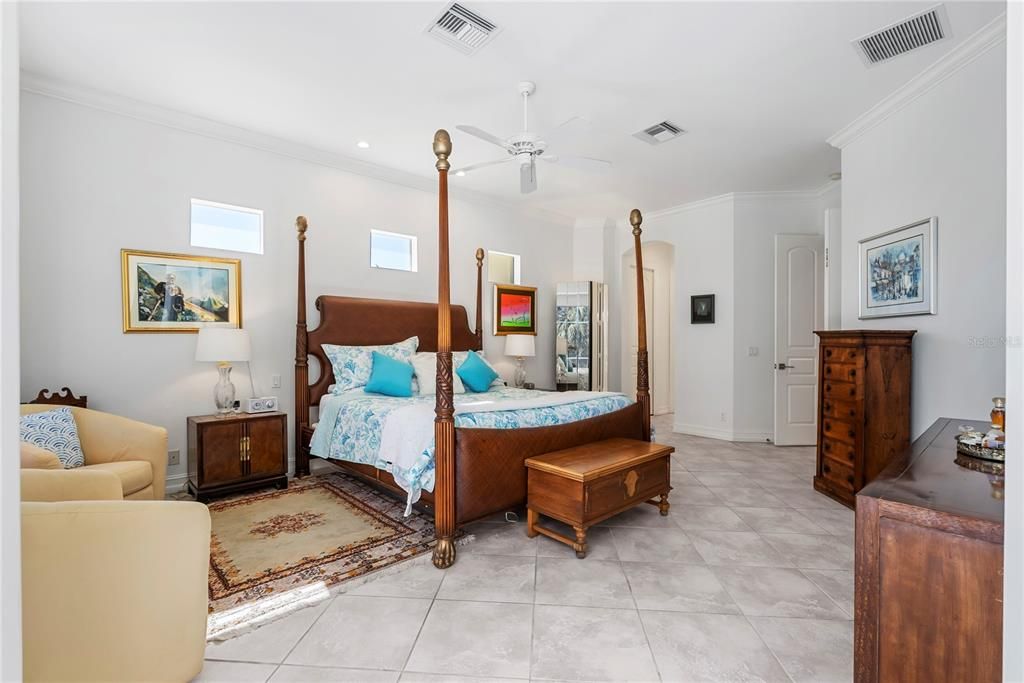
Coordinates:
1013 563
942 155
702 236
757 219
10 490
95 182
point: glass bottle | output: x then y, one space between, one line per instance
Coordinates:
999 413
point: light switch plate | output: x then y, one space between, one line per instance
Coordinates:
275 381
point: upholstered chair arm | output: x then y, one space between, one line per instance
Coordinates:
36 458
112 438
114 591
52 486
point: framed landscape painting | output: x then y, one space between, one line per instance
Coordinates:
179 293
515 310
898 271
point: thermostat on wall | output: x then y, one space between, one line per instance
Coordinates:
262 404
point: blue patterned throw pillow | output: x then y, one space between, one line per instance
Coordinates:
352 364
56 431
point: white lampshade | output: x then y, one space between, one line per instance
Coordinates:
222 345
519 345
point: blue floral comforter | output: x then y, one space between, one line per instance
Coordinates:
351 423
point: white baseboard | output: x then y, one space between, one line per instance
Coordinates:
722 434
177 482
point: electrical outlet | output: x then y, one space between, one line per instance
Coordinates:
173 458
275 381
723 417
752 350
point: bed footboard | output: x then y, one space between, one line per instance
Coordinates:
490 474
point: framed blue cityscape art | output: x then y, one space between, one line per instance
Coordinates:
898 271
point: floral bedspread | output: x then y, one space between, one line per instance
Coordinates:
351 423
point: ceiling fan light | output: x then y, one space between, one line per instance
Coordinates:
460 173
363 144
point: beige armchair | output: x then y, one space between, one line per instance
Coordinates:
133 451
111 590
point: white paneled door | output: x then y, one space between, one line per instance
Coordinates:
799 311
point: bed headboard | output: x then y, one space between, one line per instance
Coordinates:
369 322
355 321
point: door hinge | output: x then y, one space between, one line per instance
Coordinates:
826 257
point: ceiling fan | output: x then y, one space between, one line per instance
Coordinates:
526 147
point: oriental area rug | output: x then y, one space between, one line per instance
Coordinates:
273 552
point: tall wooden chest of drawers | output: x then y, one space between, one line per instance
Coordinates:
863 407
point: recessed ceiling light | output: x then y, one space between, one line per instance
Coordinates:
363 144
460 173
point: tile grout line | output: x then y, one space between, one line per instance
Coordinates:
419 631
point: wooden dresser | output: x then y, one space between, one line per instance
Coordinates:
863 407
929 568
236 452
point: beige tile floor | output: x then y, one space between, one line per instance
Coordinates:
748 579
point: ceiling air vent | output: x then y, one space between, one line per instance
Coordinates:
921 29
659 133
462 29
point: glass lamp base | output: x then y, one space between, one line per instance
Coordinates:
224 391
519 376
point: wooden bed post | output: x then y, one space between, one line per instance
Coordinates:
643 394
301 358
444 406
479 297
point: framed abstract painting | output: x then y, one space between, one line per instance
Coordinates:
898 271
179 293
515 310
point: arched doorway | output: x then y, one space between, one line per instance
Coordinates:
659 293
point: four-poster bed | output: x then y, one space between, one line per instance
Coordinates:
477 471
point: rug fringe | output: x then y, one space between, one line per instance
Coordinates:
232 623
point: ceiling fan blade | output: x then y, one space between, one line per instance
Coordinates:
483 135
528 177
482 164
567 127
582 163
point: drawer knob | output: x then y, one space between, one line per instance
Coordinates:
828 353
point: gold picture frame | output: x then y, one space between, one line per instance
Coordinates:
179 293
515 310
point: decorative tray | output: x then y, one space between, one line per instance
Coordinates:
976 450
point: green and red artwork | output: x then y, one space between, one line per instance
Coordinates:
515 309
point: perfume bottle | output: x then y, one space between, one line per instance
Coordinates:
999 413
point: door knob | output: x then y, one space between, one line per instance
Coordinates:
782 366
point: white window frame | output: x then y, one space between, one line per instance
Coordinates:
413 250
195 201
516 267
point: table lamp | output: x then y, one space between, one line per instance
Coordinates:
222 345
519 346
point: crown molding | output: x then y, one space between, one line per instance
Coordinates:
785 195
197 125
977 44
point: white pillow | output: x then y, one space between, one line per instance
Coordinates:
424 365
352 364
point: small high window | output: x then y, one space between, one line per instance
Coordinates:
502 268
223 226
392 250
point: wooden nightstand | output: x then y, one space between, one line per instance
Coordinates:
567 385
235 452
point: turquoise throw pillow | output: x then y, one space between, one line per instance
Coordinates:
476 374
389 376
